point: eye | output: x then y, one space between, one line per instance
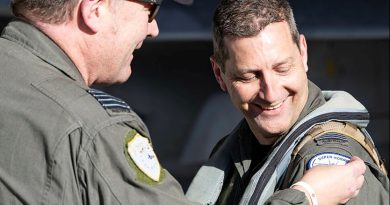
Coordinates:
246 78
284 66
283 69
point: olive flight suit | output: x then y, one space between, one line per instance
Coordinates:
62 142
243 157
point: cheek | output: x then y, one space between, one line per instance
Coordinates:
132 30
245 93
299 91
302 79
294 82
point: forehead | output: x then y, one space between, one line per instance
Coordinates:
273 41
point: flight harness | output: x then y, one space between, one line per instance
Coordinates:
339 107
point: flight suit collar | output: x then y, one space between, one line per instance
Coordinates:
242 150
42 46
314 100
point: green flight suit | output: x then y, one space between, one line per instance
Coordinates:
247 156
60 143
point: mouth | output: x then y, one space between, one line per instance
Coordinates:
139 45
273 106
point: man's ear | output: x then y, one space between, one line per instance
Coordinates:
218 73
91 12
303 51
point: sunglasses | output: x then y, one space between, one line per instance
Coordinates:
153 8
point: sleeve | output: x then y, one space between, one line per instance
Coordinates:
287 197
337 149
119 166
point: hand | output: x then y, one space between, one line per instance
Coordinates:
335 184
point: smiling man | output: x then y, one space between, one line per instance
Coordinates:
261 76
289 126
62 142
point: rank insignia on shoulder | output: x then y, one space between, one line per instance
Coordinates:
140 153
327 158
331 138
108 101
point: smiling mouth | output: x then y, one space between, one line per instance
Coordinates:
139 45
272 107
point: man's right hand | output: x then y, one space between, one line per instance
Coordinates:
335 184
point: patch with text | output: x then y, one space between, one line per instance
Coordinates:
327 158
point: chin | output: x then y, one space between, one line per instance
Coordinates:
117 80
124 75
272 127
123 79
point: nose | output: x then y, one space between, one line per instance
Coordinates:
153 29
268 88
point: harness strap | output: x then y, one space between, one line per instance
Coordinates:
346 129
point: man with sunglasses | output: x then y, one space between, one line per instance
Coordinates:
62 142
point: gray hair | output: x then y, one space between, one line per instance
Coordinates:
47 11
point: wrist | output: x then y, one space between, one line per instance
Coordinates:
308 190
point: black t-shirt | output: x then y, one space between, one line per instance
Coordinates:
259 155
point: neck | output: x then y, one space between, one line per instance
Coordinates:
68 38
261 138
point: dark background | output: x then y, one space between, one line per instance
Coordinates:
173 89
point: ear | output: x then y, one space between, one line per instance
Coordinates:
218 73
91 12
303 51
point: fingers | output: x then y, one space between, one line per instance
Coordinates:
354 190
355 193
357 165
358 169
360 181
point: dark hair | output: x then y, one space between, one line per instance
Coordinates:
246 18
47 11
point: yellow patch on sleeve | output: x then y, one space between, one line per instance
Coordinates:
140 153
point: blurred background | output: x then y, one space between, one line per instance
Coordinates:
173 89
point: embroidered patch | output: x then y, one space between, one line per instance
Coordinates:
108 101
141 153
327 158
332 138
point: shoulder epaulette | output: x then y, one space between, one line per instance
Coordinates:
108 101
